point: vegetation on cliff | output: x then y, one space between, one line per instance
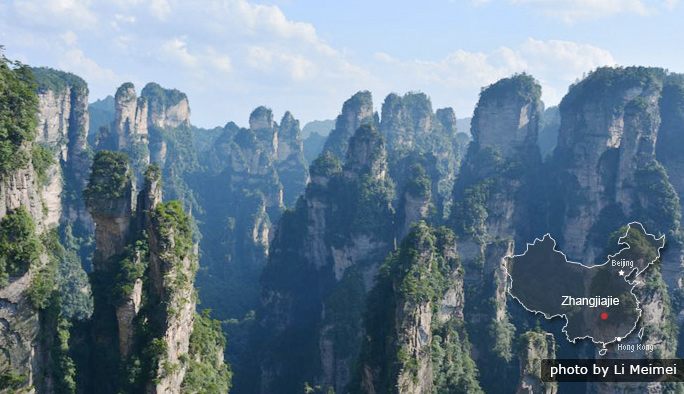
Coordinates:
419 274
108 180
58 81
207 373
156 94
18 108
19 246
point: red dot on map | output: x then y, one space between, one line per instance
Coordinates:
604 315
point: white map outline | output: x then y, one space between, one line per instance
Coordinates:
509 282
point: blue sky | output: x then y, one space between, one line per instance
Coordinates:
231 56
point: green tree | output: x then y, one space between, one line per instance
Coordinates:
18 108
19 246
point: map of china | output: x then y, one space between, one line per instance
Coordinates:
597 301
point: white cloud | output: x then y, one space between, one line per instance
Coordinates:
55 13
230 56
77 62
564 58
176 51
384 57
160 9
70 38
229 49
260 58
125 18
221 62
571 11
300 67
457 78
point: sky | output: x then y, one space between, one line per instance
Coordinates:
308 57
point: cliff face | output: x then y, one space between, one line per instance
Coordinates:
493 211
534 347
19 320
153 128
415 335
130 116
671 134
292 167
21 222
417 323
356 111
417 135
143 283
63 124
173 263
323 259
111 207
615 177
252 175
604 139
416 200
502 161
167 108
156 107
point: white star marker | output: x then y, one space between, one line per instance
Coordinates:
621 273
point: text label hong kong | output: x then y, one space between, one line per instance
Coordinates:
613 370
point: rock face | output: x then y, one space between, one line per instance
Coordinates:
671 134
406 119
154 128
292 168
535 346
504 128
548 131
507 118
171 280
109 199
262 124
418 302
63 124
111 205
417 135
608 137
262 156
260 171
143 283
139 123
493 204
366 154
308 299
156 106
19 329
19 321
130 116
166 107
615 177
416 201
21 347
356 111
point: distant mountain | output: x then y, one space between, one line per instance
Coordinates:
322 127
101 113
463 125
548 131
313 146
